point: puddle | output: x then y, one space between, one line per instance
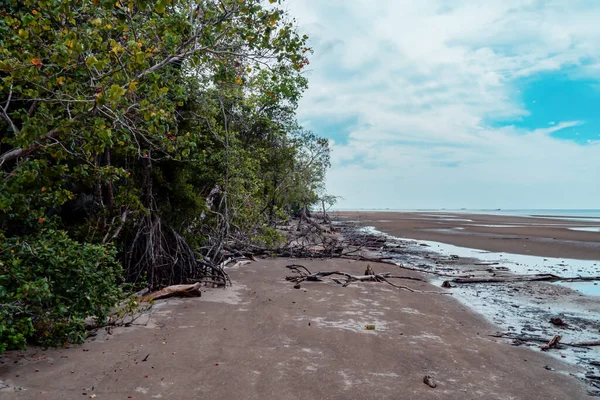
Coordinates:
580 219
587 229
586 288
499 226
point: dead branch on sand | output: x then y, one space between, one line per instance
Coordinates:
521 278
175 291
303 274
552 343
555 342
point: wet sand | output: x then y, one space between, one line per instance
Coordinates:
544 236
263 339
517 308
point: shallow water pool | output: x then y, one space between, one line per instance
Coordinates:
587 288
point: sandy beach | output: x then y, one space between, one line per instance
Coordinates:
263 339
540 236
266 339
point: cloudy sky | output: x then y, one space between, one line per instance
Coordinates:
456 103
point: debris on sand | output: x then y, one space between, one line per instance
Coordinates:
552 343
558 322
428 380
175 291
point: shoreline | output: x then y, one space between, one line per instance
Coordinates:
519 309
544 237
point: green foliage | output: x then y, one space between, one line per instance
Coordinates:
268 237
49 284
117 115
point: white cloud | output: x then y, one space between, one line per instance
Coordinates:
423 77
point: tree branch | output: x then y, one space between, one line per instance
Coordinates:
16 153
5 116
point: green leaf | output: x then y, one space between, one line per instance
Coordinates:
115 93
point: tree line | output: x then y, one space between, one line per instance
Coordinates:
139 141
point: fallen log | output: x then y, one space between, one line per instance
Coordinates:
593 343
520 337
539 339
308 220
525 278
175 291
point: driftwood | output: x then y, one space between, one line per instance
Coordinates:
525 278
308 220
175 291
537 339
303 274
552 343
593 343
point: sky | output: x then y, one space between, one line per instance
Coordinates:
456 103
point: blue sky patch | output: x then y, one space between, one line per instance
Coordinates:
337 129
552 98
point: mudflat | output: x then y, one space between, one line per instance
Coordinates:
539 236
263 339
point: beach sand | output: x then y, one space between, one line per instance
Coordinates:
492 246
263 339
545 237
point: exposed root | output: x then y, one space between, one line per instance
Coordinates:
160 256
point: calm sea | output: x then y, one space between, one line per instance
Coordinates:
574 214
567 213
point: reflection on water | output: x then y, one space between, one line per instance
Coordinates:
587 229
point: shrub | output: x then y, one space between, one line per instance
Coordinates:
49 284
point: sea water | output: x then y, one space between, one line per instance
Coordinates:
568 214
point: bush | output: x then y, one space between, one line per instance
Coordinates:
49 284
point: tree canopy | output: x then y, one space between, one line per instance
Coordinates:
150 132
